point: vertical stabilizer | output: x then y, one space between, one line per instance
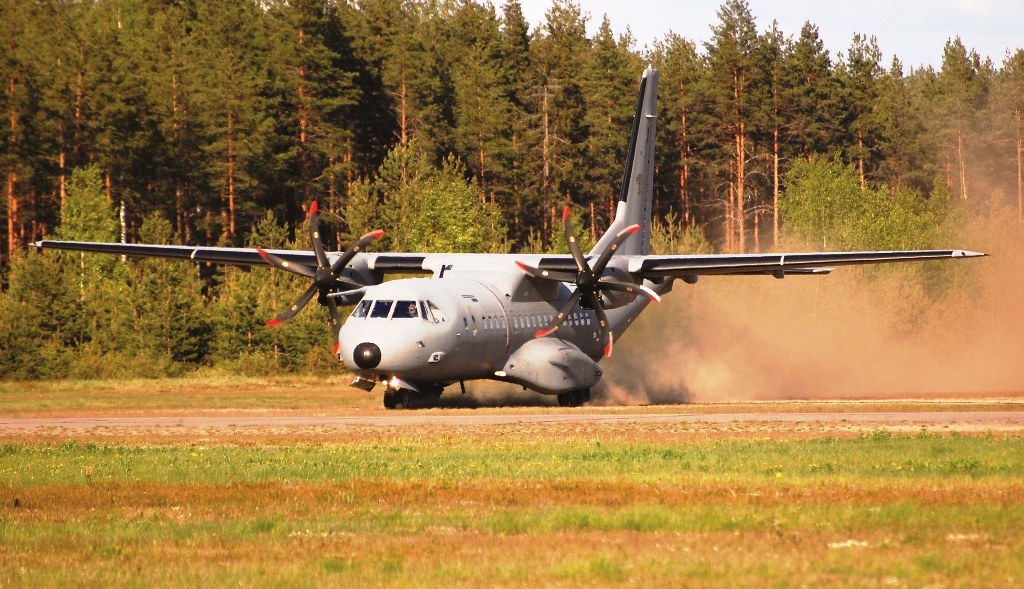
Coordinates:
637 192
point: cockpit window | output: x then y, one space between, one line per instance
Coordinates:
436 313
405 310
362 309
424 312
381 309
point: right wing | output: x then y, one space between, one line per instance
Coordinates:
778 265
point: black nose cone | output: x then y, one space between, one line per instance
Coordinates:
367 355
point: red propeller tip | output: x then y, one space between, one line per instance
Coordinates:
262 254
608 349
544 332
312 209
375 234
522 266
274 322
631 229
565 213
337 346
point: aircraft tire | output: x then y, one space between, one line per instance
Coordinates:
390 401
574 398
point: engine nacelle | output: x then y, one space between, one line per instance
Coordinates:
551 366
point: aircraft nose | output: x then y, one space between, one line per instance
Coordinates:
366 355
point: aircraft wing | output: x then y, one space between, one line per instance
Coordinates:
236 256
777 265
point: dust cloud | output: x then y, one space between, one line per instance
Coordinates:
857 333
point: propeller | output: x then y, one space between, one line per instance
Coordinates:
589 282
326 277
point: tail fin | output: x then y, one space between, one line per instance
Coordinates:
637 192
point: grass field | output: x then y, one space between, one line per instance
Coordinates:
517 508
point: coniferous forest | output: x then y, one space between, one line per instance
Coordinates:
454 126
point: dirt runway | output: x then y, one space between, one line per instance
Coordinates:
1000 420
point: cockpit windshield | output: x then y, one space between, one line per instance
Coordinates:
436 313
381 309
405 310
362 309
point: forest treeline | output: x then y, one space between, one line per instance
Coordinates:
454 126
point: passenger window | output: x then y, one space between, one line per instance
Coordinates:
436 313
381 309
405 310
362 309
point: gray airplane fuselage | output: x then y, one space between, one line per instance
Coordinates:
476 318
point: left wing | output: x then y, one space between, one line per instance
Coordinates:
236 256
778 265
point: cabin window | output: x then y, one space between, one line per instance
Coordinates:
405 310
436 313
362 309
381 309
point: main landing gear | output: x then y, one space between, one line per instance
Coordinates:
574 398
407 399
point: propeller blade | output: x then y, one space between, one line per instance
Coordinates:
602 321
606 255
562 314
574 247
354 249
628 287
547 274
299 304
348 297
285 265
335 324
314 234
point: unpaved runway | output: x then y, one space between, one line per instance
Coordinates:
977 419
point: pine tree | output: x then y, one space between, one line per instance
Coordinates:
961 90
733 79
860 77
1013 83
610 85
483 99
680 98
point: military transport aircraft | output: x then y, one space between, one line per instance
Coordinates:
540 321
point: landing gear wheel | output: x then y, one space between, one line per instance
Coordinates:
404 399
574 398
390 400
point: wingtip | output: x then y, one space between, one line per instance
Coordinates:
274 322
313 207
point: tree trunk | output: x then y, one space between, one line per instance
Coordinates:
684 175
63 183
1020 179
303 122
741 152
12 215
402 115
960 161
544 154
860 159
231 179
775 187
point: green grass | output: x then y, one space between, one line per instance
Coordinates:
517 510
873 456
